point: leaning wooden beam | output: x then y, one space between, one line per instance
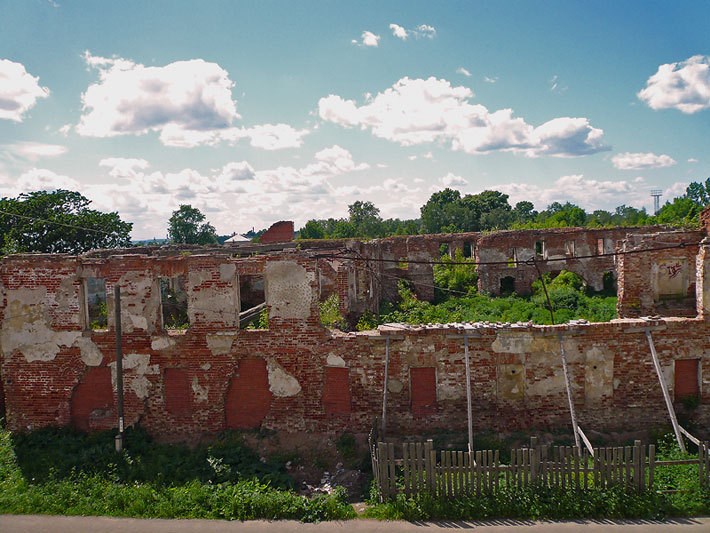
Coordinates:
690 437
586 441
666 395
568 386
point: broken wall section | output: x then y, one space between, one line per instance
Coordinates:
658 274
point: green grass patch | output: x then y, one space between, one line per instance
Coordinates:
55 471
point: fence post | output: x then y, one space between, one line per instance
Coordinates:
651 464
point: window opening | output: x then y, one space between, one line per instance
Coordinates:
254 313
540 248
507 285
467 249
96 311
512 260
570 248
600 246
173 303
444 249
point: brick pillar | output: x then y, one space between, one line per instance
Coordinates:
705 220
702 284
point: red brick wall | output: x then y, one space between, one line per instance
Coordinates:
278 232
686 378
231 372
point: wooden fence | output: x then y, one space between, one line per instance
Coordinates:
420 469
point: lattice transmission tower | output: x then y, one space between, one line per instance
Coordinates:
656 193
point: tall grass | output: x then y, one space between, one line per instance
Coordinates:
62 472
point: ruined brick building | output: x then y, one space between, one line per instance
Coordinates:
58 355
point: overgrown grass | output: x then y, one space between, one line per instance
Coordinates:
568 303
62 472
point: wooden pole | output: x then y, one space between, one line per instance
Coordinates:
384 387
468 394
119 366
666 394
568 386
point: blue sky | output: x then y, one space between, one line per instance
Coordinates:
269 110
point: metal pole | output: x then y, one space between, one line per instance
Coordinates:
568 386
666 394
119 366
384 387
468 394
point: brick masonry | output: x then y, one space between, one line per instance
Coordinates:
299 376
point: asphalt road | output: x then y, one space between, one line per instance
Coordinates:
76 524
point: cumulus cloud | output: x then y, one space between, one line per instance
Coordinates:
684 86
124 167
641 160
367 39
588 193
421 31
452 180
189 103
41 179
399 32
417 111
463 72
19 90
425 30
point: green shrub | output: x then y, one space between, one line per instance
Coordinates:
330 315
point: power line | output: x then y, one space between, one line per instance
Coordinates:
46 221
516 262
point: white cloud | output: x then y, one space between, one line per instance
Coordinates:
35 150
590 194
275 136
417 111
452 180
684 86
19 90
489 79
368 39
421 31
692 160
567 137
463 72
399 32
189 103
123 167
640 160
234 197
424 30
41 179
556 86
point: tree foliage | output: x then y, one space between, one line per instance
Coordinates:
58 222
187 225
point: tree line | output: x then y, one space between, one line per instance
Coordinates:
447 211
61 221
